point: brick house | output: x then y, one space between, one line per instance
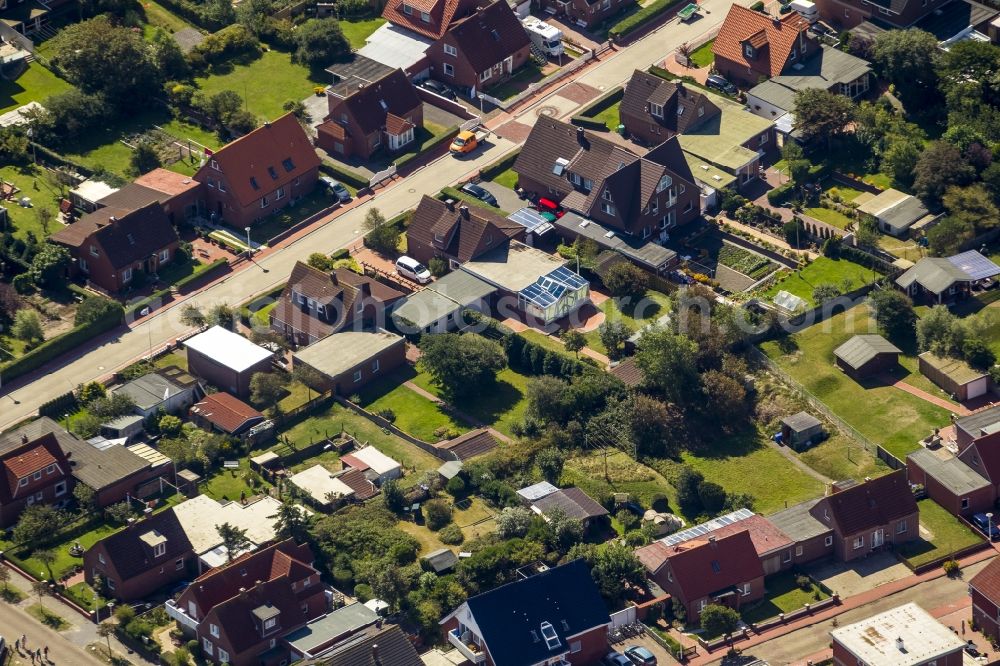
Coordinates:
429 18
226 360
950 482
644 197
180 195
371 107
752 46
315 304
238 613
259 173
813 539
481 50
903 636
867 517
713 570
654 109
458 233
34 472
111 246
847 14
970 428
984 588
221 412
585 13
349 360
983 457
556 616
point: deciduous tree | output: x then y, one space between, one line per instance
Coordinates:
462 364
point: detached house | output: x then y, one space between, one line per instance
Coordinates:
585 13
456 232
259 173
240 612
372 107
316 304
111 246
427 18
892 13
644 197
752 46
984 588
654 109
554 617
481 50
34 472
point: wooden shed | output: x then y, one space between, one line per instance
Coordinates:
866 355
800 431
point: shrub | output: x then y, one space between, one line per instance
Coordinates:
231 42
951 567
803 582
779 195
451 535
437 266
437 513
456 486
640 18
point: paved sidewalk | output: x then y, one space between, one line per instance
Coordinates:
955 407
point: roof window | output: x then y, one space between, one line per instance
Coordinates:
272 172
288 164
560 166
253 183
549 634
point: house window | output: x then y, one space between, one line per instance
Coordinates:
263 202
288 164
791 56
607 208
305 582
30 500
448 69
270 623
670 576
357 376
408 10
50 469
450 50
425 17
215 165
748 50
965 502
375 365
607 195
859 542
654 207
689 206
701 111
798 551
222 186
828 541
305 609
665 182
206 645
127 275
94 252
787 557
575 647
645 232
83 265
213 629
22 481
668 220
701 605
37 475
746 589
100 558
280 194
179 564
901 527
211 183
763 138
485 76
159 550
164 255
656 110
272 172
223 656
111 584
60 488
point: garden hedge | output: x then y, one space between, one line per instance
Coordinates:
50 349
491 171
344 175
780 194
637 20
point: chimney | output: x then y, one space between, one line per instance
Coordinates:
243 593
24 438
375 657
450 203
112 219
900 645
711 540
580 136
267 123
465 211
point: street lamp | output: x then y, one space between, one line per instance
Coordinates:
989 526
480 96
249 248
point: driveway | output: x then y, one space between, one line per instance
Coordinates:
662 656
317 106
438 116
506 197
850 578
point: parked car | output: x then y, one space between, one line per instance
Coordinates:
720 83
336 188
615 658
640 656
410 268
480 193
438 88
987 525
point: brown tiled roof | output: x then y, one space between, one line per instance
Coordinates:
489 35
644 88
227 412
29 457
372 103
765 536
394 649
746 25
628 372
473 443
167 182
703 567
442 13
987 581
356 480
334 129
128 555
870 504
377 290
573 501
395 125
261 152
124 236
463 229
30 460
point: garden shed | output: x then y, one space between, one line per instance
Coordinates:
866 355
800 431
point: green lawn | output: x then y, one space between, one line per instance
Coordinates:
610 116
474 520
530 73
48 617
508 178
64 562
34 85
839 457
884 414
501 406
83 594
415 414
783 596
635 317
703 56
268 228
358 31
845 192
228 484
336 419
262 316
904 248
159 16
266 83
550 342
830 216
177 358
822 270
31 182
948 535
624 475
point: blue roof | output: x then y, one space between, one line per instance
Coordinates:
532 220
975 265
564 599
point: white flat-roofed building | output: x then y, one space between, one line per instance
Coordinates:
903 636
226 360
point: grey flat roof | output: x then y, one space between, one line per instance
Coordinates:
933 274
150 390
823 70
513 266
798 523
863 348
338 353
986 419
642 251
801 422
772 92
334 624
450 294
951 473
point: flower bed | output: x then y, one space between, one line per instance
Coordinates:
752 265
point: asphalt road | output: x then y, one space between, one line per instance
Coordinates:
14 622
19 400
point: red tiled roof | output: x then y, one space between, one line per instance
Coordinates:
765 536
702 567
167 181
395 125
225 411
351 461
743 25
334 129
987 581
30 457
359 483
442 13
29 461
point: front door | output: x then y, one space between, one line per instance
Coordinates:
878 538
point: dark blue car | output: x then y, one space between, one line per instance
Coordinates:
987 526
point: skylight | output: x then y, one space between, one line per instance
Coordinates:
272 172
253 183
560 166
715 566
288 164
549 634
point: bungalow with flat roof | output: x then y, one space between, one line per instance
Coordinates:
950 482
349 360
226 360
170 390
866 355
440 561
323 487
903 636
441 306
896 213
954 376
319 636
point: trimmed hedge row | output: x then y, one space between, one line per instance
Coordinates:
344 175
179 285
50 349
58 406
780 194
637 20
491 171
428 145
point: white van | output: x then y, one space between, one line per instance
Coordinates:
410 268
546 37
806 8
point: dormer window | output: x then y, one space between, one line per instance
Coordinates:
560 166
408 10
680 110
215 165
748 50
271 623
701 111
791 56
159 550
425 17
665 182
607 195
23 481
550 636
656 110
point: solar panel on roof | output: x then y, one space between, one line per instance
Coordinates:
529 218
975 265
706 527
